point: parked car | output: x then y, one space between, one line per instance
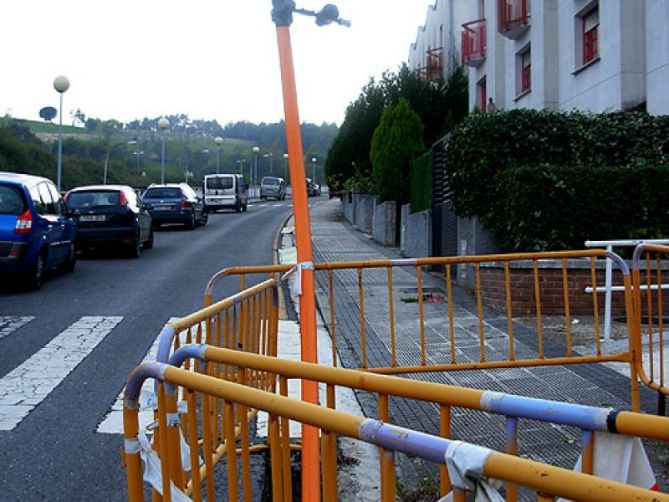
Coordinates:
225 191
35 234
174 203
271 186
110 215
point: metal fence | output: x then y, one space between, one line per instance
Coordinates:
463 466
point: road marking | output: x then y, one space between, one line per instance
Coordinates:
29 384
112 423
278 205
9 324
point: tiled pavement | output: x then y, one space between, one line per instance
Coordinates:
336 240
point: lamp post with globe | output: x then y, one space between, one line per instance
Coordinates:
285 166
256 150
163 124
61 84
219 141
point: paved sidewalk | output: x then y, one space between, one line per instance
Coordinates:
334 239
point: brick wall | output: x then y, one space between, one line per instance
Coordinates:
551 290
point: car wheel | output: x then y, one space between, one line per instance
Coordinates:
71 262
36 275
238 207
149 242
135 247
190 224
245 206
204 218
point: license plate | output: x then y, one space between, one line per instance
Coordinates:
163 208
92 217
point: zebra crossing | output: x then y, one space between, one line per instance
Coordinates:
30 383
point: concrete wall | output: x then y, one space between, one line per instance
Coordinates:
657 56
364 211
347 208
472 239
384 223
416 233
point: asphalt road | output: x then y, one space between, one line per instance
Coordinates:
55 453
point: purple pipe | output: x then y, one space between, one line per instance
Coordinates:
136 380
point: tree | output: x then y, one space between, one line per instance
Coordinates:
48 113
78 116
397 140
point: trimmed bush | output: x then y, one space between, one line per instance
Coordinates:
397 140
551 180
421 182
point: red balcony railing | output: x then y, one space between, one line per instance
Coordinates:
474 42
434 66
514 17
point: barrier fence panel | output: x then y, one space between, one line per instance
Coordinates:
650 272
464 466
246 321
544 287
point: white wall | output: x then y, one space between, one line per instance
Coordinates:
657 56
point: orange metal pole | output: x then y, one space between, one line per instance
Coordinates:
310 446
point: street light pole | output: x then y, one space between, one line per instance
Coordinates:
163 124
313 169
61 84
219 141
255 168
285 166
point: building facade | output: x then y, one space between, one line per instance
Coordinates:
436 51
591 55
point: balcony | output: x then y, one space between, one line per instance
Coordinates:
434 66
514 17
474 42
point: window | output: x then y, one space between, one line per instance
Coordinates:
523 71
11 201
49 206
37 200
57 199
481 95
590 30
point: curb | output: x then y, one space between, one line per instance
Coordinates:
283 314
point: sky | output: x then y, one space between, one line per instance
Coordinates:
212 60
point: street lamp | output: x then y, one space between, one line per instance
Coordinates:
256 149
269 156
61 84
219 141
240 162
285 166
109 151
163 124
138 154
313 169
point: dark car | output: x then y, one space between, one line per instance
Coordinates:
35 235
110 216
175 203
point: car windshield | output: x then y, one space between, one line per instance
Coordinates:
11 201
219 183
84 200
162 193
270 181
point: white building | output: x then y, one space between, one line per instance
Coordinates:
592 55
436 51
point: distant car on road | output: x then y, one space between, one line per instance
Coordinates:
35 234
110 215
271 186
313 189
225 191
174 203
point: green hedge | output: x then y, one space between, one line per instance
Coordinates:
548 207
421 182
543 179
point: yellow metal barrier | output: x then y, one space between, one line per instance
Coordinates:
651 300
246 321
536 292
547 481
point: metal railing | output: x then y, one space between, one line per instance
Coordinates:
231 387
474 42
537 293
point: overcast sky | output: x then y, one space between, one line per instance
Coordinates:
129 59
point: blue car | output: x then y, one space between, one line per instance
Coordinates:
35 236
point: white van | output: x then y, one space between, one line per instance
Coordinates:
225 191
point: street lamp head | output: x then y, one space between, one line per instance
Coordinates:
256 149
61 83
285 155
313 159
218 140
163 123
